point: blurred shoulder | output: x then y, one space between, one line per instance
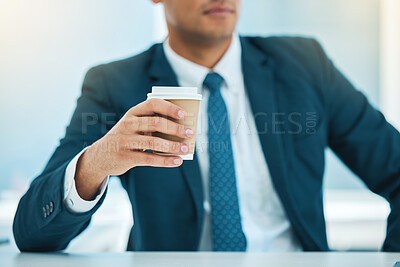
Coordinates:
291 54
131 66
287 48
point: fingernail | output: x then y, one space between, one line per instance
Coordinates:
177 161
189 132
184 148
181 114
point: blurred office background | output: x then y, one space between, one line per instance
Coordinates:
47 46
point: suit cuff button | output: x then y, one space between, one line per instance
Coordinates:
44 212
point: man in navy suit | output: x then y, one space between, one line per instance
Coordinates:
279 101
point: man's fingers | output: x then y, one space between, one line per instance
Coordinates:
160 106
154 160
159 124
158 144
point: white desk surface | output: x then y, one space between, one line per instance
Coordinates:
133 259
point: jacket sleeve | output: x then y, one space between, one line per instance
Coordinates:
364 141
42 222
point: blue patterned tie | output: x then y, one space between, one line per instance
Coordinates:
227 230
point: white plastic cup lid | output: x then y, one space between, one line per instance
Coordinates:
169 92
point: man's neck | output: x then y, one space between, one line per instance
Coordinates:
204 54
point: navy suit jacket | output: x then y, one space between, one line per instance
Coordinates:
301 103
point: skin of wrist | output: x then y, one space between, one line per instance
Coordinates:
88 178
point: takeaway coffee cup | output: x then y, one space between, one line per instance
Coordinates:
189 100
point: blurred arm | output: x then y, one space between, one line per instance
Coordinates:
363 139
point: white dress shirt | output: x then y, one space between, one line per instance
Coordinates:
264 221
71 197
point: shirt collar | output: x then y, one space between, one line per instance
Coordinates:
192 74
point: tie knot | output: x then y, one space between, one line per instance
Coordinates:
213 82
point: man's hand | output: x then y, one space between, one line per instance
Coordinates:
122 148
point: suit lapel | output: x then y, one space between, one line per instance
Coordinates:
258 76
162 74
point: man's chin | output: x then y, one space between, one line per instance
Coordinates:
216 35
221 37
